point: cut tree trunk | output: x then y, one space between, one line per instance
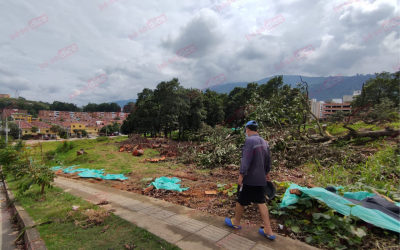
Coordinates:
357 134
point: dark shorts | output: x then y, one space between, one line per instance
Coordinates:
250 194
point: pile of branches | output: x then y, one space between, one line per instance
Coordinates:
166 147
135 139
298 153
220 149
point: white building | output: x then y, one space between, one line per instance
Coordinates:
316 108
350 98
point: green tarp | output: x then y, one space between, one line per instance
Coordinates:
168 184
338 203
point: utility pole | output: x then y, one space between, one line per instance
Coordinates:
19 130
6 132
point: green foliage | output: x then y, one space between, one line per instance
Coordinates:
322 226
338 116
385 85
34 129
63 106
18 163
67 234
232 190
65 147
380 171
32 107
102 107
286 106
221 148
50 155
382 111
2 143
62 132
213 104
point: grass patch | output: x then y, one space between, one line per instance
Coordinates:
56 205
337 128
380 171
104 155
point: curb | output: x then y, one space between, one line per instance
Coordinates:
32 238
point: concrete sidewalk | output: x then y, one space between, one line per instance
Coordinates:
187 228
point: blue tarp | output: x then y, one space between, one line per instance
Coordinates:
115 176
168 184
90 173
340 204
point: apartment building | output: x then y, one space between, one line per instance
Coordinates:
43 114
4 96
333 106
21 116
316 108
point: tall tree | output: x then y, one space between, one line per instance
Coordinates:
167 96
385 85
213 103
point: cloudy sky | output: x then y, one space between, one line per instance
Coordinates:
134 43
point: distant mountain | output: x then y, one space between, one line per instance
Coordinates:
345 87
122 103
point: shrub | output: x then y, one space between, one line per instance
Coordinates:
50 155
65 147
2 143
19 164
382 111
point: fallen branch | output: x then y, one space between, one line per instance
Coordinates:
187 177
353 134
387 198
26 228
146 190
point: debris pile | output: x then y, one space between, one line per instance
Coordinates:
170 149
81 152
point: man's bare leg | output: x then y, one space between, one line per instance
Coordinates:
238 214
265 216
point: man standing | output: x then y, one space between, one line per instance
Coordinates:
253 176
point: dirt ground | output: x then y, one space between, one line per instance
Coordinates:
220 204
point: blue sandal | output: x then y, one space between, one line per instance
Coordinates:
262 232
229 222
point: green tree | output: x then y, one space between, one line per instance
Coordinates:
62 132
14 129
115 127
272 86
382 111
195 111
385 85
239 99
167 97
213 104
34 129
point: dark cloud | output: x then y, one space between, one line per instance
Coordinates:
219 34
